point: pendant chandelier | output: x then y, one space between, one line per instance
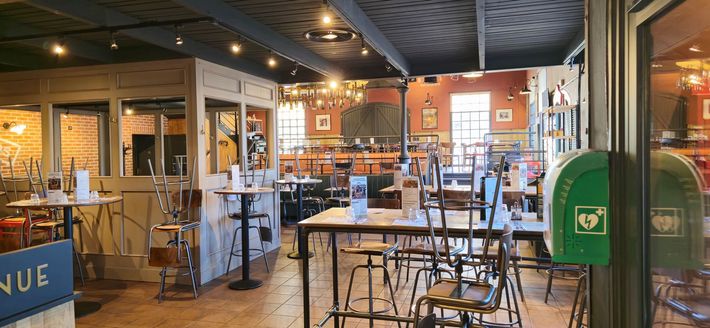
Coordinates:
323 96
694 76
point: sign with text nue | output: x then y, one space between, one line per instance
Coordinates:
34 276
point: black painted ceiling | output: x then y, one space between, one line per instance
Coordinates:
435 36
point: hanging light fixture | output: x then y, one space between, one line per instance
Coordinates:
14 127
388 67
363 49
178 38
271 61
326 19
294 71
114 45
525 90
510 94
58 48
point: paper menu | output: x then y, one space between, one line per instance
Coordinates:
55 188
81 185
235 177
410 195
398 176
519 176
358 196
488 192
288 171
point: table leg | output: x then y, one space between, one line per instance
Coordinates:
299 217
68 221
303 244
336 302
245 282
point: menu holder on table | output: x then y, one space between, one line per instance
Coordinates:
519 176
81 185
400 171
288 171
55 188
358 197
410 195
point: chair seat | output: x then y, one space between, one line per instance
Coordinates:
176 227
493 251
477 294
47 224
253 215
426 249
371 248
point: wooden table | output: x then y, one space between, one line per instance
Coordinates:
389 221
85 307
65 206
246 282
299 208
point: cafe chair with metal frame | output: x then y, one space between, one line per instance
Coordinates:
176 204
265 234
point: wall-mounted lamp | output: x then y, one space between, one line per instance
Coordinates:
510 94
525 90
14 127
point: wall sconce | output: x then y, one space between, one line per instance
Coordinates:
14 127
510 94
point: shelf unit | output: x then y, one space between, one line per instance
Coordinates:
559 126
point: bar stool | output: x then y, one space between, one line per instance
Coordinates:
371 249
175 204
265 234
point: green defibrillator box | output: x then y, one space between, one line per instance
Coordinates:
676 220
576 208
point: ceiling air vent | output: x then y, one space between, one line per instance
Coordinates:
431 80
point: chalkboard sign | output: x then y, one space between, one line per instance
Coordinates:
35 276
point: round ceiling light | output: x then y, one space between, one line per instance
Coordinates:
329 35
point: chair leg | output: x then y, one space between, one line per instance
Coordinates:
549 281
389 284
518 281
350 289
231 251
263 251
191 267
162 284
370 301
79 264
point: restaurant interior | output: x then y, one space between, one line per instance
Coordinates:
354 163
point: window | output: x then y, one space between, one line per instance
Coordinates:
84 136
154 130
292 127
470 120
221 135
20 138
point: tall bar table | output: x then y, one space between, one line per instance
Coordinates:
80 308
246 282
299 208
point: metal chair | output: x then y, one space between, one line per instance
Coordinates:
340 182
175 206
264 233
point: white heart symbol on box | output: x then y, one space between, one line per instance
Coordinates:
588 221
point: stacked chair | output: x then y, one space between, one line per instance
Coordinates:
177 202
265 233
469 297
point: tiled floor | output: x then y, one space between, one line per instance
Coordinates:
279 302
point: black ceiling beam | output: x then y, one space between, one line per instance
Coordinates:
575 47
10 28
94 14
237 22
481 30
353 15
525 60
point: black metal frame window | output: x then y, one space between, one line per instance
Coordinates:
470 120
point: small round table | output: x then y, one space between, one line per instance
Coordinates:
245 283
80 308
299 208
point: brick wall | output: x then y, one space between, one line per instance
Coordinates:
20 147
80 140
145 124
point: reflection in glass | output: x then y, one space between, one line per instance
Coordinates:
20 136
153 129
221 135
84 136
679 112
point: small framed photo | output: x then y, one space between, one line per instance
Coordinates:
504 115
706 109
430 118
323 122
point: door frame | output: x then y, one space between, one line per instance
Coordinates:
628 78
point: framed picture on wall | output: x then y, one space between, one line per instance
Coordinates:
706 109
504 115
430 118
323 122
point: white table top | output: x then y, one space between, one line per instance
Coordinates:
299 181
245 191
43 204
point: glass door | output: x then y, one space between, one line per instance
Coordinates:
674 77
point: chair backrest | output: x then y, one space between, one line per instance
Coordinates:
297 159
489 229
383 203
164 186
190 199
503 262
